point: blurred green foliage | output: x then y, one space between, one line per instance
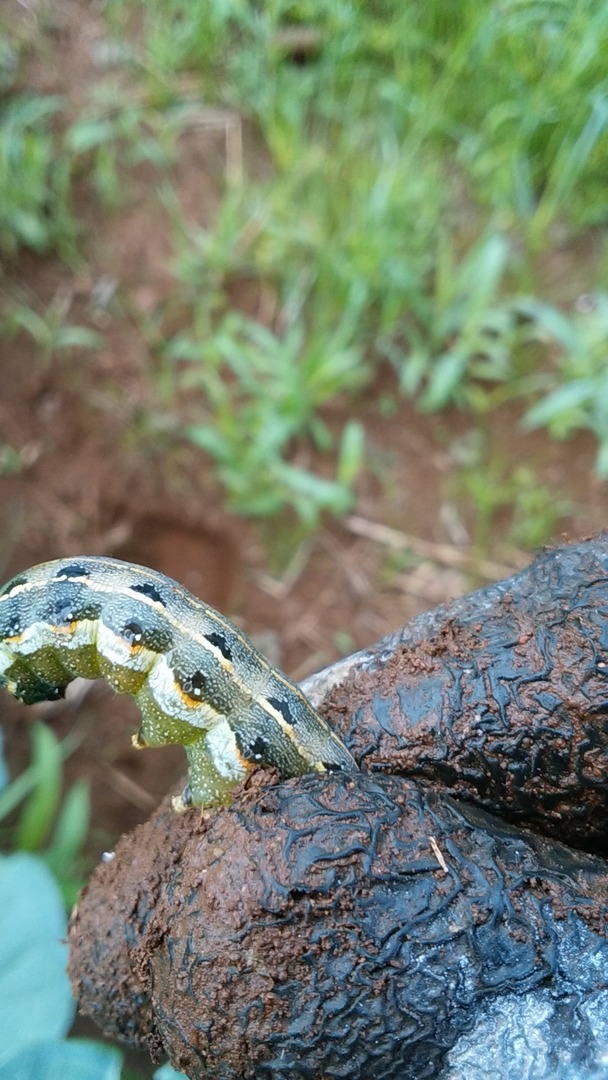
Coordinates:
37 1005
42 871
416 169
35 209
36 817
398 179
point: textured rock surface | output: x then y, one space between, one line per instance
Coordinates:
372 926
500 698
341 928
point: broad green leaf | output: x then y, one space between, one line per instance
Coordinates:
3 768
34 987
76 1059
167 1072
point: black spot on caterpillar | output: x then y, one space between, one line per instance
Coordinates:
19 580
194 685
68 573
222 644
197 678
149 590
133 634
258 749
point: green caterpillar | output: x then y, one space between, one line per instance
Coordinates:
197 678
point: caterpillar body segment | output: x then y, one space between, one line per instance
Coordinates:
197 678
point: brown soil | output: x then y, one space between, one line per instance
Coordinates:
91 483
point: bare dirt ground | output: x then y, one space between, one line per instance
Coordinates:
89 484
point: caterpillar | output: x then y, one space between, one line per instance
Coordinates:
197 679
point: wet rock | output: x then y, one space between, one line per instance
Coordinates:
374 926
500 698
357 928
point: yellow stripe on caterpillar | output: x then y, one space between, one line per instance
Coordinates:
197 678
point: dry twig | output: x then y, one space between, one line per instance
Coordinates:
446 554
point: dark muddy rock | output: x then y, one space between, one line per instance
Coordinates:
359 928
374 927
500 698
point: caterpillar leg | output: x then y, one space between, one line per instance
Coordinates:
158 727
216 766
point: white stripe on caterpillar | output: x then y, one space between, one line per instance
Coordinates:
197 679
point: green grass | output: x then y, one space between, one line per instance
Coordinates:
420 166
36 817
255 393
35 207
505 497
